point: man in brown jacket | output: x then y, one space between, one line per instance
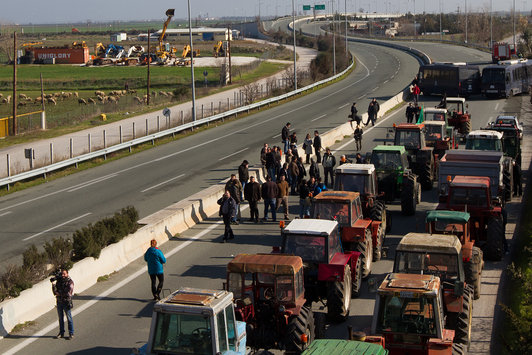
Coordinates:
269 192
293 170
282 196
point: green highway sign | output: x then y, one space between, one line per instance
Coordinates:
319 7
306 7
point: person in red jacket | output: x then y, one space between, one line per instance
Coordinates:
416 91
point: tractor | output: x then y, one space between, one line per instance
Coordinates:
440 255
195 321
437 137
341 346
457 223
269 297
363 235
473 194
459 118
331 274
420 156
362 178
394 177
408 317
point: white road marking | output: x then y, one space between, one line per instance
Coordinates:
162 183
230 155
497 106
77 310
341 107
277 135
317 118
59 225
386 81
5 213
92 182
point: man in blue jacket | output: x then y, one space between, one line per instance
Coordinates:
155 259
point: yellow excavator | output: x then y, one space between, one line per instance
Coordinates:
219 49
163 51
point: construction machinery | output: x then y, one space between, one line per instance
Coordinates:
362 178
162 52
408 317
441 255
195 321
81 44
269 295
219 49
394 177
133 56
357 233
331 274
502 51
457 223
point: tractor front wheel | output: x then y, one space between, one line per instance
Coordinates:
377 250
409 195
357 280
339 297
378 213
365 248
473 269
462 333
302 324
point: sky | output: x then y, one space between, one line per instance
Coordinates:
69 11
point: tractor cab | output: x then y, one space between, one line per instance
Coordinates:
455 106
389 159
435 132
511 138
435 114
411 136
469 192
484 140
448 222
360 178
341 206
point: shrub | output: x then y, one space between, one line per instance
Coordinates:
59 252
33 260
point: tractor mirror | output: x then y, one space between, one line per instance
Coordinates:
458 288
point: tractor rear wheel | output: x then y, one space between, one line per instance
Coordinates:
473 269
339 297
377 250
409 195
388 221
458 349
302 324
378 213
494 239
357 280
507 180
466 127
365 248
426 178
462 333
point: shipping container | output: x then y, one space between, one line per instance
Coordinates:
62 55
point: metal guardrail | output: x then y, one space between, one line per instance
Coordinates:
117 147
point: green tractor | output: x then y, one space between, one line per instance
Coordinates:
394 177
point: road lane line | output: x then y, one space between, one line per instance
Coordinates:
317 118
341 107
95 181
5 213
497 106
77 310
162 183
235 153
277 135
59 225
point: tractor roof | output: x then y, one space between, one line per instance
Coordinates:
424 242
455 99
485 134
470 181
409 127
434 110
311 227
343 347
506 117
390 148
193 300
413 284
435 123
337 196
277 264
447 216
356 169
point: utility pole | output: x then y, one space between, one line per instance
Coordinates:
14 83
229 37
441 32
149 60
414 15
345 7
334 39
491 24
294 38
465 21
513 26
192 65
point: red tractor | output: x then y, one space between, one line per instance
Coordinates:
459 117
269 296
358 233
473 194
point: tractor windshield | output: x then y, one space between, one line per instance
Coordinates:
484 144
434 116
308 247
434 133
182 334
338 211
445 266
386 160
473 197
352 182
398 314
408 139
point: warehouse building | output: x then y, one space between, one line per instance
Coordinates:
198 34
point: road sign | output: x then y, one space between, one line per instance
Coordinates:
306 7
166 112
319 7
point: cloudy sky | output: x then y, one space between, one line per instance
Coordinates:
63 11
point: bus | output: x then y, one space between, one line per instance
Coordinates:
452 79
508 78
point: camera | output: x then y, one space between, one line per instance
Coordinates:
56 276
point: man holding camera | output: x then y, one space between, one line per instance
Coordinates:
63 289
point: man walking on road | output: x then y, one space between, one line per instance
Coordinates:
227 212
285 137
282 195
317 146
63 289
357 135
329 161
354 115
155 259
269 194
410 113
243 174
253 196
373 110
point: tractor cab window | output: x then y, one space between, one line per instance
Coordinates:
357 211
182 334
468 196
407 315
235 284
335 245
484 144
434 133
352 182
387 160
308 247
445 266
265 285
231 327
444 227
300 283
339 211
285 289
408 139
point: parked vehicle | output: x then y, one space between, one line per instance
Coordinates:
195 321
507 78
502 51
452 79
458 116
437 136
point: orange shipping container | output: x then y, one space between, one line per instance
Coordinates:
63 55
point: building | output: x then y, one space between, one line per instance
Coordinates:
119 37
198 34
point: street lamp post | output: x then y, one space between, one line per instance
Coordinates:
345 15
491 24
192 64
334 39
465 21
441 33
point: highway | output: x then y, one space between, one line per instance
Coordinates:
114 316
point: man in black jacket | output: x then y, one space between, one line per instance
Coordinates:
329 161
373 110
317 146
410 113
285 137
227 212
243 175
269 191
252 193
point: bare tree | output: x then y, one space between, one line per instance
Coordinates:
251 93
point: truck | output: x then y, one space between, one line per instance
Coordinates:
332 275
408 317
269 296
357 233
195 321
502 51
